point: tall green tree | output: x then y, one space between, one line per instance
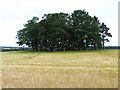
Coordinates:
55 27
104 31
29 34
86 30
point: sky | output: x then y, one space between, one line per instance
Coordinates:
15 13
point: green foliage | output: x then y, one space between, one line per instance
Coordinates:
104 33
61 32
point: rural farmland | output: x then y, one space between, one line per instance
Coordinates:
70 69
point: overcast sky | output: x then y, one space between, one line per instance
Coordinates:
15 13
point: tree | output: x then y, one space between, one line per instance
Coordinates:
104 33
54 27
86 30
99 39
29 34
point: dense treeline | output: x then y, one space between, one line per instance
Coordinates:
62 31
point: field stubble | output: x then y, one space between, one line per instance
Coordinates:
92 69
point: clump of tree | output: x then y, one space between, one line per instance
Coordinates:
62 31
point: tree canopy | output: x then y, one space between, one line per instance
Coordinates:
63 31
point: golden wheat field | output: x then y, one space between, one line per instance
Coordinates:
74 69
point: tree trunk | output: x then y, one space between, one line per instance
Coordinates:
103 44
64 48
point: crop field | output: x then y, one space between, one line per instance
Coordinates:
73 69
